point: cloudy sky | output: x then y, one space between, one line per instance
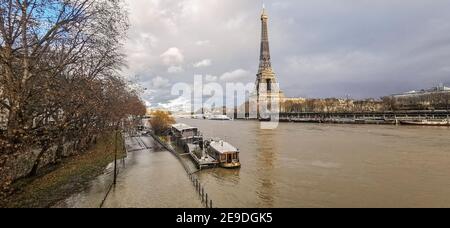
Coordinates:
320 48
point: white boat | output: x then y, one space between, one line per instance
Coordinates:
426 122
219 117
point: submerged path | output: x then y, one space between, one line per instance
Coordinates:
149 177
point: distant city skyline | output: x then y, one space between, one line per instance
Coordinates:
319 48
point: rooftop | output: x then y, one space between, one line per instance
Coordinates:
223 147
183 127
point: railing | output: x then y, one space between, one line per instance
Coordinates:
206 201
201 191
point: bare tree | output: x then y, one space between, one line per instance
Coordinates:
59 72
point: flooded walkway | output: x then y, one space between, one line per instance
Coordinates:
149 177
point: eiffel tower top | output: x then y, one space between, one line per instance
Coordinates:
264 58
264 14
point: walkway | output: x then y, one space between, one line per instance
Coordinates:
149 177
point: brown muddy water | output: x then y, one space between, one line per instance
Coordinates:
314 165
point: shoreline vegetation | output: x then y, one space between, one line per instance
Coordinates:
72 175
61 88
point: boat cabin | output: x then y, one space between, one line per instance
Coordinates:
184 134
226 154
184 131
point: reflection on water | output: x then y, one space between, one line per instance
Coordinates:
314 165
225 176
266 157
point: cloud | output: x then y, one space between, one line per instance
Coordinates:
319 48
147 103
172 56
203 63
235 23
203 42
210 78
179 104
175 69
236 75
159 83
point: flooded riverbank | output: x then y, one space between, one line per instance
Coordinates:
149 177
296 165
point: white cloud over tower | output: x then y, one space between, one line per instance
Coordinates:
319 48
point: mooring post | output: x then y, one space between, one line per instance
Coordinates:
210 204
206 200
203 191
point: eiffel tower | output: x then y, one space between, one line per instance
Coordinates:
267 88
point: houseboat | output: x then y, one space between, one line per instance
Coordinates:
226 154
209 153
183 135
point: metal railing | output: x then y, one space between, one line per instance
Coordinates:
199 188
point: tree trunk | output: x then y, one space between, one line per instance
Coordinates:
59 151
12 121
37 162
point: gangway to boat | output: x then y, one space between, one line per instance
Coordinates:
206 161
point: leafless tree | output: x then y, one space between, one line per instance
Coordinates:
59 72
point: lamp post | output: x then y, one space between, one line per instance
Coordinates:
115 157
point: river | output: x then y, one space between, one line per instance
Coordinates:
315 165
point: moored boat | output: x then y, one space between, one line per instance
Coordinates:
226 154
426 122
206 153
219 117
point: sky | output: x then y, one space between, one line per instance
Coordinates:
320 48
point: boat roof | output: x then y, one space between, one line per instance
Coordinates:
223 147
183 127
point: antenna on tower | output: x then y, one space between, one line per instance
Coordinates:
263 8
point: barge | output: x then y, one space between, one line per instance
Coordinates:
205 153
426 122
